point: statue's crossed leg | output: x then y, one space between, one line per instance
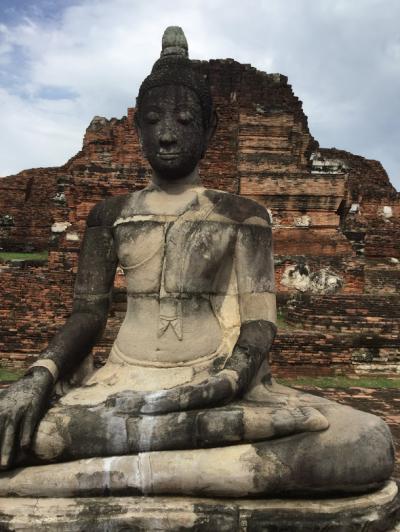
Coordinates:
252 447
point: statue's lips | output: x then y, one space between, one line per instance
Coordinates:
168 156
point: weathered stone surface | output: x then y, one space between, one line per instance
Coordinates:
375 512
282 427
193 350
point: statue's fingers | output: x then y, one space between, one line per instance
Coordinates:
190 397
221 389
204 394
27 429
7 444
187 397
127 402
162 402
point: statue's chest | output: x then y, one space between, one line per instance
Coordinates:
186 256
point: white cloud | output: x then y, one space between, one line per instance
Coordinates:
343 62
36 133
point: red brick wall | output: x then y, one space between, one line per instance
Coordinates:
262 149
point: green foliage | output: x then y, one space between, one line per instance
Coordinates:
7 375
6 256
343 382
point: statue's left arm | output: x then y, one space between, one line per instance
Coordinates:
254 270
254 267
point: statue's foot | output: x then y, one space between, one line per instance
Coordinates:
294 420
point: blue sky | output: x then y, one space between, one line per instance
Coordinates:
64 61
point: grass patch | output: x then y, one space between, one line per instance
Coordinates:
37 255
343 382
281 322
7 375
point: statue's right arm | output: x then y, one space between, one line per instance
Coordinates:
92 293
24 403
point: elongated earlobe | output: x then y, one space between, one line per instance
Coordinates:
136 123
210 131
213 125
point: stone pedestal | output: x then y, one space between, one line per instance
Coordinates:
375 512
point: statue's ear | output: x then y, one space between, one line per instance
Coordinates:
211 129
136 123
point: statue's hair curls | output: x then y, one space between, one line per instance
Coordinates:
175 68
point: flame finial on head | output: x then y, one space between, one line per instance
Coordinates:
174 42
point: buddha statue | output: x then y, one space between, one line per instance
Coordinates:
185 403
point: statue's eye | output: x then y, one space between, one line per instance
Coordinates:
185 117
152 117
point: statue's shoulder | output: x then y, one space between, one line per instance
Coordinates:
107 211
237 208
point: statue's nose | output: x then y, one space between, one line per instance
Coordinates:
167 134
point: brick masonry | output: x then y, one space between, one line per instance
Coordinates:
336 229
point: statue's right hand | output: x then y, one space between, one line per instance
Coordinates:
22 405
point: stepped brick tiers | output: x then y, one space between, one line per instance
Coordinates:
180 425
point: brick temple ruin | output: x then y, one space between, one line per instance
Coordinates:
336 224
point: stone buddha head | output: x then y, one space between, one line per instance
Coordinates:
174 116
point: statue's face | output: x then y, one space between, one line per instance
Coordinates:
171 130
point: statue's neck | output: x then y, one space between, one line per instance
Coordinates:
172 197
177 186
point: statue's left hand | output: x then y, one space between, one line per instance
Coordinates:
22 405
230 383
216 390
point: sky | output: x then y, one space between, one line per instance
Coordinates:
64 61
